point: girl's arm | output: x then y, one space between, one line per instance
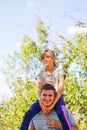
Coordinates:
39 86
60 89
58 94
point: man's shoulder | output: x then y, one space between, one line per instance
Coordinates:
40 113
41 116
52 113
68 112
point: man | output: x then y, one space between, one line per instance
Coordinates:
49 122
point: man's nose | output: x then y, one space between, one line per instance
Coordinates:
47 97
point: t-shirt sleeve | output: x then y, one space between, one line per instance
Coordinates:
61 73
40 76
70 117
31 123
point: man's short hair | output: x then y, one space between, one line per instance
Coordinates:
48 86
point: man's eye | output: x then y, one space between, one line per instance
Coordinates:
44 95
50 95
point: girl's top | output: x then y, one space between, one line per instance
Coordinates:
53 76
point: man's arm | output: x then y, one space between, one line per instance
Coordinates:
51 123
31 127
72 121
56 124
74 127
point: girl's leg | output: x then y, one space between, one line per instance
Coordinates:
61 113
32 111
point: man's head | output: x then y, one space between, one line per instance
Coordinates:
48 94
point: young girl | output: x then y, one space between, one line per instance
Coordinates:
51 73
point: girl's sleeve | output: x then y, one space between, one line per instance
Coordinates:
61 73
40 76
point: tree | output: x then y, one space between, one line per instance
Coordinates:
23 65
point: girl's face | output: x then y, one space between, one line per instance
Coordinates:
48 59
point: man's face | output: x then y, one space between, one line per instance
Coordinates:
47 97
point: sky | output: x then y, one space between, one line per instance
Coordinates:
19 18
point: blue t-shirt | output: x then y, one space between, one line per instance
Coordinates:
39 120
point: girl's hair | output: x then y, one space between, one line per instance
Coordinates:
48 50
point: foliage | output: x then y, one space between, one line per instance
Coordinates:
13 111
22 67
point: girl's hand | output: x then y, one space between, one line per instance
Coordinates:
49 109
46 110
43 108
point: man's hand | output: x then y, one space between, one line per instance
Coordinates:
51 123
